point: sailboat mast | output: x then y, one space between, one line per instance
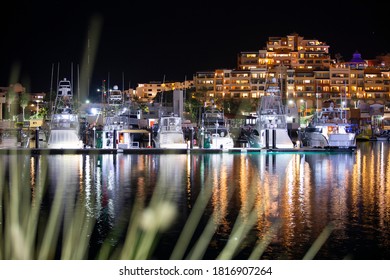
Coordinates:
108 84
162 93
58 81
185 88
51 85
78 82
71 77
162 96
58 74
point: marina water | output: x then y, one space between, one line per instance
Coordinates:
288 199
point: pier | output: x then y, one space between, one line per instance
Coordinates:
46 151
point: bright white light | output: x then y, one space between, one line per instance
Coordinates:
94 111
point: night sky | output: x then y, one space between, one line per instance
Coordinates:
149 40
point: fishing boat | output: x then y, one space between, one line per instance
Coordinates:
64 123
215 129
270 130
169 134
121 124
329 128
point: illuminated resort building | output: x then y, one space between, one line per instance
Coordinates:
305 72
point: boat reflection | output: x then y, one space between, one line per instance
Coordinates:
285 199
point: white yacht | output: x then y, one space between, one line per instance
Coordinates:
329 128
215 129
64 124
270 130
170 133
119 132
120 124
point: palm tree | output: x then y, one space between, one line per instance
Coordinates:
339 57
192 106
10 98
23 101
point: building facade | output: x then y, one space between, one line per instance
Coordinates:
148 91
7 104
306 73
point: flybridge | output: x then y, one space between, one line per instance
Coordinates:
64 98
115 97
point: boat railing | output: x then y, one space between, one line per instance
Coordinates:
171 128
116 126
326 120
64 125
271 112
213 115
219 132
273 121
273 126
64 121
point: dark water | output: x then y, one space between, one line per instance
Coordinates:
288 199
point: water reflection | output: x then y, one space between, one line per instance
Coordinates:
293 197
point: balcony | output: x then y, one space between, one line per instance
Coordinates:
240 90
376 90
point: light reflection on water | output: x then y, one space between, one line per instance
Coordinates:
301 193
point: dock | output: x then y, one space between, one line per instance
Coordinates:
46 151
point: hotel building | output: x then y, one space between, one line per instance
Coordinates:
305 72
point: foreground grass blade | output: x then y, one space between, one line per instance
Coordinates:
316 246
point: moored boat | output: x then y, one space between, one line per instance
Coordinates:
120 124
216 134
270 130
64 124
169 133
329 128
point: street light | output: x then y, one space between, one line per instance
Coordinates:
291 103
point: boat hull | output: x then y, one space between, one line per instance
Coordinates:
64 139
170 133
277 138
217 142
334 140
